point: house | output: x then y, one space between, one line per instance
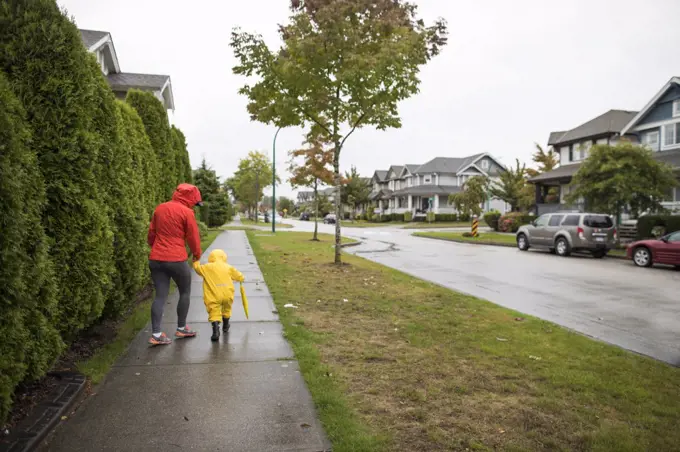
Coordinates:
426 188
573 147
101 44
656 126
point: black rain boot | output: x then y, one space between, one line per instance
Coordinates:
216 331
225 324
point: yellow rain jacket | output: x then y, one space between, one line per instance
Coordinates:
218 285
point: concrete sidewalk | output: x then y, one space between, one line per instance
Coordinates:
243 393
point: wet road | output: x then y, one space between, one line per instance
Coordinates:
609 299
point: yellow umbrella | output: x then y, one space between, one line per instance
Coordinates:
244 299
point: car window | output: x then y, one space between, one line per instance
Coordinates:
555 220
598 221
571 220
542 220
674 237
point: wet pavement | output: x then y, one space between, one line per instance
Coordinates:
609 299
242 393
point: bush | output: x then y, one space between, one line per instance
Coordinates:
446 217
219 210
431 217
183 165
398 217
49 69
492 218
202 229
464 217
28 302
467 234
649 226
512 221
408 217
157 127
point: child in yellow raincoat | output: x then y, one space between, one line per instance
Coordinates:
218 289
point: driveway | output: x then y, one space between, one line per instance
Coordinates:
609 299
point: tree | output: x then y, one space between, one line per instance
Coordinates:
314 169
614 178
286 204
547 161
28 301
183 165
216 210
474 194
343 65
42 53
355 191
254 174
155 119
513 188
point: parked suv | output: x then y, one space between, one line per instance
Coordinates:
329 219
564 233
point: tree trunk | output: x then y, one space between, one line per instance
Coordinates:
316 210
337 180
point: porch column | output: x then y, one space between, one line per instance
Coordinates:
539 194
410 202
436 203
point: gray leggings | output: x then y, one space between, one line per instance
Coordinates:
161 273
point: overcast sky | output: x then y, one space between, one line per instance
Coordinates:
512 73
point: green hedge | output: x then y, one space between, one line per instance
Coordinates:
155 119
183 165
649 226
408 217
492 218
28 303
446 217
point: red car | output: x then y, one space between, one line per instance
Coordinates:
665 250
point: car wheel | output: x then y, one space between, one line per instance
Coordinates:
599 254
642 257
562 247
522 242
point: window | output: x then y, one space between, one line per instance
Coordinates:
651 139
676 108
674 237
542 220
427 179
598 221
671 134
555 220
571 220
575 152
485 165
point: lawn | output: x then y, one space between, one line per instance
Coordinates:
367 224
442 225
395 363
261 223
484 238
97 366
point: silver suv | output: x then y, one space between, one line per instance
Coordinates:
564 233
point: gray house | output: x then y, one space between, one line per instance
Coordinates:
101 44
422 188
573 147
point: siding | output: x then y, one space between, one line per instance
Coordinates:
448 179
663 110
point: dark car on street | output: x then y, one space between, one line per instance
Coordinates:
329 219
664 250
304 216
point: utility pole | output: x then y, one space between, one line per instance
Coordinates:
257 194
274 181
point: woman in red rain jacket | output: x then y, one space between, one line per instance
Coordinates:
173 224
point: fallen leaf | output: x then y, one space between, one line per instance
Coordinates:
63 418
536 358
501 339
138 374
186 418
519 319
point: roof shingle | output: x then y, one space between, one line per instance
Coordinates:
446 164
612 121
91 37
128 80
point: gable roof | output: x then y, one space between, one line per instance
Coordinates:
130 80
612 121
92 37
396 169
555 137
634 120
451 165
380 175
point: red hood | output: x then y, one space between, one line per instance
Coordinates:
187 194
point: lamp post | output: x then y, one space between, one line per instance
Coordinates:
274 181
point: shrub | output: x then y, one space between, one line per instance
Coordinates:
28 302
398 217
492 218
183 165
512 221
369 214
155 120
408 217
446 217
657 225
202 229
463 217
467 234
431 217
49 69
219 210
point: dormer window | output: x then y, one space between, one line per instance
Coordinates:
485 165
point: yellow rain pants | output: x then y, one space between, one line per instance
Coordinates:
218 285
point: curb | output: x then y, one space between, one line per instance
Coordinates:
348 245
46 415
506 245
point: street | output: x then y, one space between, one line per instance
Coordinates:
609 299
